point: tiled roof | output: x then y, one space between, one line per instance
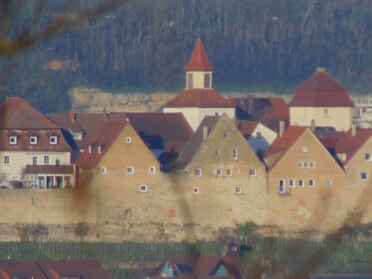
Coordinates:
246 127
321 90
50 169
203 98
350 144
199 59
105 136
16 113
9 269
195 141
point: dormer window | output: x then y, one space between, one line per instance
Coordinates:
53 140
13 140
33 140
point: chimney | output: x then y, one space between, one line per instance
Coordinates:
281 128
312 127
205 132
353 129
72 115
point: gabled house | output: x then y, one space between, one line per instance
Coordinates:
118 167
321 101
305 182
199 99
33 150
223 173
258 135
354 150
88 269
197 267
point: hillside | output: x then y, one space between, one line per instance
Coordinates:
254 45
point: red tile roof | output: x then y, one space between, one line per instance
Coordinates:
350 144
202 98
50 169
321 90
9 269
16 113
246 127
105 136
199 59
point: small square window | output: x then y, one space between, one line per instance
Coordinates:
301 183
305 149
103 170
53 140
196 190
326 112
229 172
235 154
306 164
143 188
364 175
312 165
238 190
33 140
198 172
219 172
292 183
258 135
216 152
152 170
329 182
311 183
6 160
13 140
368 157
46 160
130 170
128 140
300 164
252 172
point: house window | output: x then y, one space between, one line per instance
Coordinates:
152 170
326 112
198 172
252 172
130 170
53 140
300 165
238 190
33 140
304 149
207 80
312 165
364 175
103 170
6 160
258 135
311 183
368 157
46 160
301 183
196 190
143 188
216 152
235 154
329 182
292 183
190 84
229 172
34 160
219 172
128 140
281 186
305 164
13 140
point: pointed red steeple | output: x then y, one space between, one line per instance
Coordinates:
199 59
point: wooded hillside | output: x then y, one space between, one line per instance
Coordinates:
253 45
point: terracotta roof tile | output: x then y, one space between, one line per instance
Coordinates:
24 268
246 127
203 98
199 59
321 90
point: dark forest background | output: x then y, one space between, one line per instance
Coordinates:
254 45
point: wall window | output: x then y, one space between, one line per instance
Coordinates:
235 154
329 182
258 135
312 165
34 160
130 170
196 190
301 183
311 183
292 183
219 172
305 165
190 83
326 112
143 188
103 170
207 80
198 172
128 140
152 170
13 140
305 149
281 186
300 164
6 160
229 172
53 140
368 157
252 172
364 175
33 140
216 152
46 160
238 190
